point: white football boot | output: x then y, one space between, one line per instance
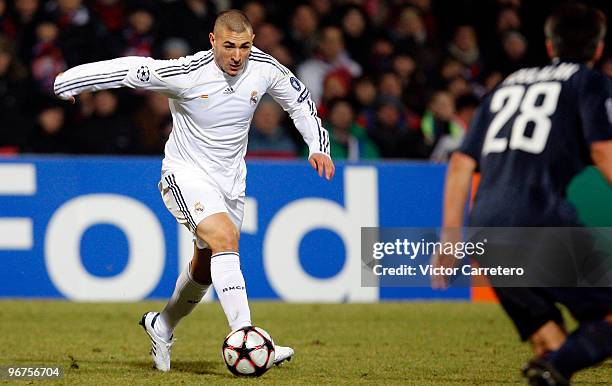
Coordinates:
282 354
160 348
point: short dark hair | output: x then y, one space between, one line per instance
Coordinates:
233 19
575 30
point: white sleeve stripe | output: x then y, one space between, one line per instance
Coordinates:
81 78
193 63
92 82
186 71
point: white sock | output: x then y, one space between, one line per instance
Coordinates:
187 294
229 283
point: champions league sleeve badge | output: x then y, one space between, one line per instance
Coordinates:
143 74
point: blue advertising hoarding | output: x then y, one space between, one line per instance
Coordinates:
96 229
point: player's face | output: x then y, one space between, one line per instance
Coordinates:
231 49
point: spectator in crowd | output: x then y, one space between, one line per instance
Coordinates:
381 58
391 134
364 100
427 14
174 48
348 140
411 36
267 37
7 26
491 80
47 57
268 137
357 33
451 68
407 49
440 129
26 15
107 130
302 37
256 13
331 56
466 106
323 8
139 36
508 19
389 84
190 20
337 84
50 134
283 55
13 99
464 48
606 67
514 53
82 35
364 93
112 14
458 86
412 81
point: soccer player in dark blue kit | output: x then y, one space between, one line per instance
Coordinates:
530 136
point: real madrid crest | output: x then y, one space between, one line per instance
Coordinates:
254 97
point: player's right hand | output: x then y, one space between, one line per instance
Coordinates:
69 98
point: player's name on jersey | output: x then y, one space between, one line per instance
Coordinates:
561 71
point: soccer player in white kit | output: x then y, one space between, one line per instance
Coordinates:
213 95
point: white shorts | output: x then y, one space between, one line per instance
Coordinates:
191 196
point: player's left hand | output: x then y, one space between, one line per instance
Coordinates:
448 235
441 282
323 164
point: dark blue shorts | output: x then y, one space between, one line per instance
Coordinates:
531 308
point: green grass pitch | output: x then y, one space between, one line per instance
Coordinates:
417 343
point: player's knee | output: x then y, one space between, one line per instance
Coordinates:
224 240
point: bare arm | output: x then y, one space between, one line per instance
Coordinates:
456 189
601 153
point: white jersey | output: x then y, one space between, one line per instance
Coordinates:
211 110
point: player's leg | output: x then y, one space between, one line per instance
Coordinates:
547 338
539 321
183 195
187 294
591 342
534 315
222 235
191 286
235 210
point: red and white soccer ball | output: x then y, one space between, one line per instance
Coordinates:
248 351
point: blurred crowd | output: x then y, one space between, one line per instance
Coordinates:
391 78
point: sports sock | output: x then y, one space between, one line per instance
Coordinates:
187 294
229 283
590 344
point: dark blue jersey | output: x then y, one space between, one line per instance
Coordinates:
530 136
